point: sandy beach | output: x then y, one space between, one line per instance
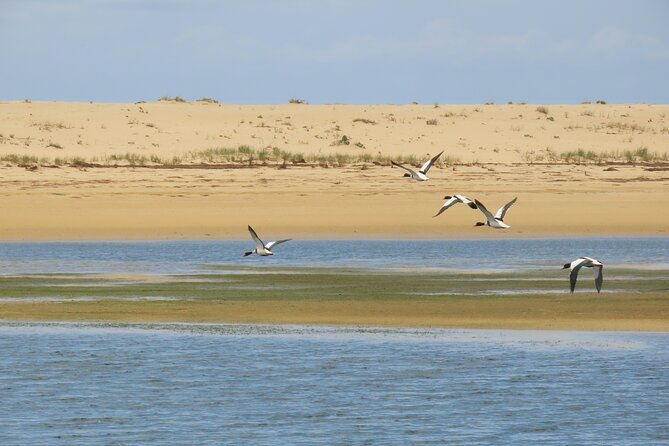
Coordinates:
78 171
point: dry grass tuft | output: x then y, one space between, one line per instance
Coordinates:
365 121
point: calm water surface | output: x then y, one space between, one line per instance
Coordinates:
200 385
174 257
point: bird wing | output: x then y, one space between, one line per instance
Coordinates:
270 245
576 265
447 205
259 244
402 167
599 277
572 278
425 167
466 201
485 211
501 212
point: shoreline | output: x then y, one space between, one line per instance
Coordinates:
342 237
454 314
281 328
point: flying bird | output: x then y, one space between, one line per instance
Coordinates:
421 175
455 199
495 221
585 262
261 248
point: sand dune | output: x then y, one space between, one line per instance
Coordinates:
492 152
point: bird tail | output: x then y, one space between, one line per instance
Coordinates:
247 253
566 265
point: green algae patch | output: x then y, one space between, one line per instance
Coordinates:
539 299
322 284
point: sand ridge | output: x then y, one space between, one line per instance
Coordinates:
621 313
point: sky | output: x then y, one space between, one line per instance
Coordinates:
356 52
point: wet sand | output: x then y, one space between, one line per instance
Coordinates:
70 204
596 313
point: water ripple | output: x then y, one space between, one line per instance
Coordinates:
177 384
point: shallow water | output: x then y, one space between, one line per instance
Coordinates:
220 384
181 257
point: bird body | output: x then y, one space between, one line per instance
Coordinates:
262 249
585 262
420 175
495 221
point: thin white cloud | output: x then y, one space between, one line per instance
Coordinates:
612 40
442 39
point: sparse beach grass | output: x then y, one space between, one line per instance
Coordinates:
227 156
245 156
632 299
640 155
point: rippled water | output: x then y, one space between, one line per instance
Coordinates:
201 385
173 257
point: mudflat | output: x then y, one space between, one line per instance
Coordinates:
346 297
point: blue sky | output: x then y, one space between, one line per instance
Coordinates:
359 52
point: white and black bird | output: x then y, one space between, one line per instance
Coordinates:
455 199
495 221
261 248
585 262
421 175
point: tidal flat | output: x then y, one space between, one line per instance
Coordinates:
632 299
